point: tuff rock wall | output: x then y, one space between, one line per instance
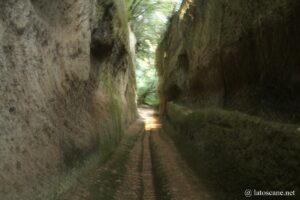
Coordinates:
219 62
67 87
241 55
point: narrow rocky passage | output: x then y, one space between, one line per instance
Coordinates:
225 76
145 166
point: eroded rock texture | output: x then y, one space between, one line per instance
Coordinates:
66 86
218 61
242 55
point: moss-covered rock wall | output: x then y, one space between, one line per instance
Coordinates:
67 89
232 152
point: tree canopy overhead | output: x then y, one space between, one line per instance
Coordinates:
148 20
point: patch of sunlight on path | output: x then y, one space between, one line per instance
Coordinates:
149 116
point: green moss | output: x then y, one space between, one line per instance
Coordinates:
235 151
113 126
176 113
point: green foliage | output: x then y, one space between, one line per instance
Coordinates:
148 20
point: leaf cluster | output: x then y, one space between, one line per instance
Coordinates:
148 19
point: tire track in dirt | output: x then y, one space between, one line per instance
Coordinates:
145 166
100 182
181 182
131 188
148 181
138 182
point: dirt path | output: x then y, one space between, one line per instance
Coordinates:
132 185
145 166
102 182
148 181
181 182
138 182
